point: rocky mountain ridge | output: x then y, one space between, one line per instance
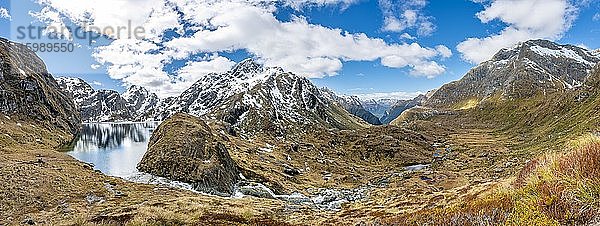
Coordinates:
536 66
249 95
529 68
108 105
267 100
378 107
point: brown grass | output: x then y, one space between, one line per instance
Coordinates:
549 190
487 211
583 163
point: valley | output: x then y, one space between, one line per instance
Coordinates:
261 146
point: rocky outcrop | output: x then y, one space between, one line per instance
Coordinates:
185 148
28 91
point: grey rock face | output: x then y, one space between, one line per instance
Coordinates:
529 68
141 101
27 90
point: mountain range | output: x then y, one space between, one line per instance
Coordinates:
250 89
493 147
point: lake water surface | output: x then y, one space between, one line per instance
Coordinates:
114 148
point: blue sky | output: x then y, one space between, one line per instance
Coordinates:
356 67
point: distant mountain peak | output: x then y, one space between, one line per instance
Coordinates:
352 104
247 67
535 50
135 90
109 105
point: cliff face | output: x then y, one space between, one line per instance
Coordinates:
185 148
29 92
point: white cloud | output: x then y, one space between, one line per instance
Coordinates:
212 64
389 95
54 21
306 49
596 17
400 15
525 19
97 83
4 14
108 15
407 36
444 51
298 4
428 69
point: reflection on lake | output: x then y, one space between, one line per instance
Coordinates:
114 148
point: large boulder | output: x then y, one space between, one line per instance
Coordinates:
185 148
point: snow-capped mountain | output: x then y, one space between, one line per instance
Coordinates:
529 68
141 101
95 105
378 107
214 89
108 105
353 105
252 98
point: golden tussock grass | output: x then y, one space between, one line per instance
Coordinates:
554 189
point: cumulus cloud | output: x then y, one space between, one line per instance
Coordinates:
211 64
213 27
97 83
596 17
444 51
525 19
4 14
400 15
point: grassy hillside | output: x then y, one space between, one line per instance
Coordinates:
553 189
